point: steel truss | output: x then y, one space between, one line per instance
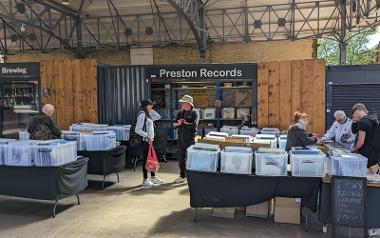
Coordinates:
193 22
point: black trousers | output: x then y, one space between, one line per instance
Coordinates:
181 157
144 151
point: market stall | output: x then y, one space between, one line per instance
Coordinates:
210 190
45 183
105 162
224 95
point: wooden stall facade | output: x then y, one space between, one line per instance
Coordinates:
289 86
71 86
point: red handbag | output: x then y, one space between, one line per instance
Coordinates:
152 163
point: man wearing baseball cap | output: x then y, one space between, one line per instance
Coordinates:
186 122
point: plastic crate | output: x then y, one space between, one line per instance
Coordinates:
20 153
306 165
238 149
230 130
217 134
209 113
88 127
271 164
282 140
260 138
122 132
54 153
353 165
202 159
248 131
3 143
271 131
23 135
100 141
228 113
236 162
76 136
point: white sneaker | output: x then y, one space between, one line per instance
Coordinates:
373 232
180 180
156 180
147 183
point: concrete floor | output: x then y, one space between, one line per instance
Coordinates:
124 210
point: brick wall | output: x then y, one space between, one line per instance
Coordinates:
217 53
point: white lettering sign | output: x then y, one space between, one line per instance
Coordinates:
17 70
203 73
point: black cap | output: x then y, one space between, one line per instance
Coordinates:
146 102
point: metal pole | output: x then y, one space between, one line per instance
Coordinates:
343 33
79 37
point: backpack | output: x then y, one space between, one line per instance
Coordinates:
43 132
375 141
134 138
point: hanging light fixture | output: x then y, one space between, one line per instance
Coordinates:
65 2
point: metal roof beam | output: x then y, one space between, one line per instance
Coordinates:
193 11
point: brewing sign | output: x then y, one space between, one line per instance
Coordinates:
20 71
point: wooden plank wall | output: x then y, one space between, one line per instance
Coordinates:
289 86
73 90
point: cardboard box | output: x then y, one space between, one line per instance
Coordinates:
225 212
240 140
256 145
287 210
261 210
236 144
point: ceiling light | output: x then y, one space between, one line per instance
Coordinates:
65 2
22 28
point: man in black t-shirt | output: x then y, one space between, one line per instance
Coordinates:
365 128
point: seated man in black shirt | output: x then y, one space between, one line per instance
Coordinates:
365 127
42 127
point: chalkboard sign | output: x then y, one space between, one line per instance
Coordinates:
349 202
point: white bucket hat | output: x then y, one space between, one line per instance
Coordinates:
188 99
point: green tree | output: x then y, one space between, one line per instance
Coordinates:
357 50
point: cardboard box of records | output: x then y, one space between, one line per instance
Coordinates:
287 210
261 210
225 212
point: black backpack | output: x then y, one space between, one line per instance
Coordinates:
134 138
375 141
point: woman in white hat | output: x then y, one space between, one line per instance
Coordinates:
186 122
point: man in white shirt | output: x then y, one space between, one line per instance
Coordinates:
341 131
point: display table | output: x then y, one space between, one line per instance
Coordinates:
233 190
105 162
373 196
44 183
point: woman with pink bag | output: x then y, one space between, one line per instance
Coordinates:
145 129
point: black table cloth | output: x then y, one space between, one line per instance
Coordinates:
233 190
44 183
105 162
373 196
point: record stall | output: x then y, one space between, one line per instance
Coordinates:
224 96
